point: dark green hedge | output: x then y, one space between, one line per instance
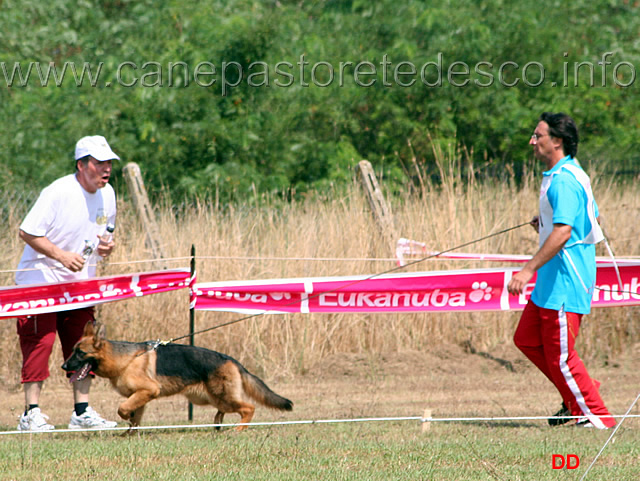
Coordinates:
280 129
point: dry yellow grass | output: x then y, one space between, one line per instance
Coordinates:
270 239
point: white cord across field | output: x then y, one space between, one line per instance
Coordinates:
419 419
236 258
289 259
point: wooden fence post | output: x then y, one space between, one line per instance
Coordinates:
138 193
379 207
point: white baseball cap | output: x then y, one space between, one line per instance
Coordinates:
96 146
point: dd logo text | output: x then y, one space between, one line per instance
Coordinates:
570 461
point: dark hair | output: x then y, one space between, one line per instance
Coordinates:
84 160
563 127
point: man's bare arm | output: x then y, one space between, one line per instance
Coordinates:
71 260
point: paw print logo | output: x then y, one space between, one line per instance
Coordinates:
481 292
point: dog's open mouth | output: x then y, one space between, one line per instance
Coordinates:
81 373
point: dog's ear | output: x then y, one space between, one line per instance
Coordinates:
88 329
100 335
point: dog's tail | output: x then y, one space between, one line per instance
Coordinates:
257 390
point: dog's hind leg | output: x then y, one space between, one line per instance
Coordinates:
227 397
245 410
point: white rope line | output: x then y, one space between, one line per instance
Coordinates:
234 258
316 421
518 418
276 258
170 259
321 259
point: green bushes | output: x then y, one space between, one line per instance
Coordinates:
244 96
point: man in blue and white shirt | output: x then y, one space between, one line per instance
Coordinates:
566 273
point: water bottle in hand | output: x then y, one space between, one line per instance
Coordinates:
108 234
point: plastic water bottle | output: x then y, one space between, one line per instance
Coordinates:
88 249
108 234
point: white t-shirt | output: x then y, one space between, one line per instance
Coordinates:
67 215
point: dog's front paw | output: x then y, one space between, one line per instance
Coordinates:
126 414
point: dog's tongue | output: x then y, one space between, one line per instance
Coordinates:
80 374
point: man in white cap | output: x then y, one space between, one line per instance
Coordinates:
71 210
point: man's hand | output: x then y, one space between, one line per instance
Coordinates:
535 223
519 281
71 260
104 248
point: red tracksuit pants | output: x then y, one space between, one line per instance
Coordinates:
547 337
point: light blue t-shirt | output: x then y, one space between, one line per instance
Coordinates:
568 279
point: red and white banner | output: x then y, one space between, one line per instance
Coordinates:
436 291
38 298
439 291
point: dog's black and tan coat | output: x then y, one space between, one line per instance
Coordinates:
141 374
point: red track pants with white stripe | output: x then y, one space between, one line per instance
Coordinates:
547 337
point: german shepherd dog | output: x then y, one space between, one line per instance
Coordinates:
141 373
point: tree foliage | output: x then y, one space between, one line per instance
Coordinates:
488 70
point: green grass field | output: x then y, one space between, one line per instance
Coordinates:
371 451
448 381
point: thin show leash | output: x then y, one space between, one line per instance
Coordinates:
373 276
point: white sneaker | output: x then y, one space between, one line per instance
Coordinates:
584 423
90 420
34 420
